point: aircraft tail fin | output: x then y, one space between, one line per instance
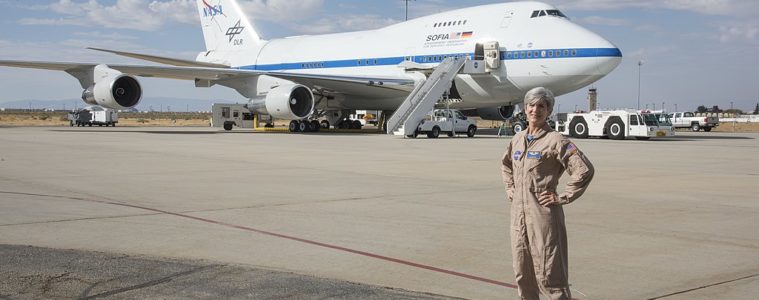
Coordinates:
226 29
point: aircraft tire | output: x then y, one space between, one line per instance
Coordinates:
325 124
293 127
314 126
303 126
518 126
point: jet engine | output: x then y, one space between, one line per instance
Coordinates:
289 102
115 91
500 113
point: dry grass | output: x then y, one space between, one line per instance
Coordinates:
126 119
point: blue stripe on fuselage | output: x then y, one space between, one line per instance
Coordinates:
426 59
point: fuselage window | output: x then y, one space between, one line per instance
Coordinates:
529 54
566 52
543 53
375 61
550 53
537 53
521 54
464 22
508 55
574 52
449 23
434 25
359 62
459 23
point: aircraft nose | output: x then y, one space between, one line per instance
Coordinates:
607 59
608 56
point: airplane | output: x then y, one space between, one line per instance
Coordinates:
303 78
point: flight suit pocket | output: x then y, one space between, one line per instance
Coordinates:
545 170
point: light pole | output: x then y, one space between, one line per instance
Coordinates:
675 107
640 63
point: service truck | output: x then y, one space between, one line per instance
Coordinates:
614 124
695 123
93 115
449 121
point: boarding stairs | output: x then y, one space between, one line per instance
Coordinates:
422 99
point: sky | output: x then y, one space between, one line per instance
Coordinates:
693 52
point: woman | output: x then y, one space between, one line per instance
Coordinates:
532 165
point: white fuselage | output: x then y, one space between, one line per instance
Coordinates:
548 51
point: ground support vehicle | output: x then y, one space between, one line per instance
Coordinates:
229 115
614 124
93 115
695 123
449 121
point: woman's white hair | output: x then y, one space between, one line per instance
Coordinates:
534 96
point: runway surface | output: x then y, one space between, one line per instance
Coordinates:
664 219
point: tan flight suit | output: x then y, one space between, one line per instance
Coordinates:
538 234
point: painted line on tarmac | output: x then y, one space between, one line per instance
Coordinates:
297 239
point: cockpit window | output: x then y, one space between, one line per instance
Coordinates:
549 12
555 12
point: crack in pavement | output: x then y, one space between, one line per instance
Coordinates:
149 283
703 287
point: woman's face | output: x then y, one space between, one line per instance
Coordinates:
537 113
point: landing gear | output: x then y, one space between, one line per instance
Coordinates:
304 126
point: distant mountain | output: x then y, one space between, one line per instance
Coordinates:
146 104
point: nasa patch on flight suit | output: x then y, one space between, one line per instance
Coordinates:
534 155
517 154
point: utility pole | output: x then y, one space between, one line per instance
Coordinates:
640 63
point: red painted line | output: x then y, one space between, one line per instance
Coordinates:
368 254
245 228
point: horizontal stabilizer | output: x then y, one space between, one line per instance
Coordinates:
163 60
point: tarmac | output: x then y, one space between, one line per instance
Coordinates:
202 213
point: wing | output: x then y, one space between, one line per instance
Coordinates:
362 86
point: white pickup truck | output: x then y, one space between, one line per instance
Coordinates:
690 120
446 120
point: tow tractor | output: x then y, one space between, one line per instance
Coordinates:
614 124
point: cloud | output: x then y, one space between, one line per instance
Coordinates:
597 20
344 23
706 7
124 14
739 31
282 10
